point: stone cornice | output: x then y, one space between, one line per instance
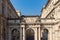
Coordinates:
50 12
13 18
30 16
39 23
12 7
57 2
48 2
44 21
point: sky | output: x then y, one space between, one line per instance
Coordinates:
29 7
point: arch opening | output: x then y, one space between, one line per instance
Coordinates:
44 35
15 34
29 34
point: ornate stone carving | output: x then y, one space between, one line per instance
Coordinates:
22 20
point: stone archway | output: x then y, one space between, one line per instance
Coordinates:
30 34
15 34
44 34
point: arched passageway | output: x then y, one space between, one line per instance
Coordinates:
29 34
44 35
15 34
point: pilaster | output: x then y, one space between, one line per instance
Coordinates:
50 36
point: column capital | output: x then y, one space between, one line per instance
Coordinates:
23 26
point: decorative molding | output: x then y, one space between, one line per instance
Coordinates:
50 12
57 2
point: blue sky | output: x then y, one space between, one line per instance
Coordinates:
29 7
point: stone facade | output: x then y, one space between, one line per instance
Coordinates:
43 27
6 11
46 26
51 19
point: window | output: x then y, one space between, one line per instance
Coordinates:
15 34
44 35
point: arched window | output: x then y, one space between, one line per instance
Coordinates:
29 34
15 34
44 35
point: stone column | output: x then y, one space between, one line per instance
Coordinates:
35 34
23 33
39 34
